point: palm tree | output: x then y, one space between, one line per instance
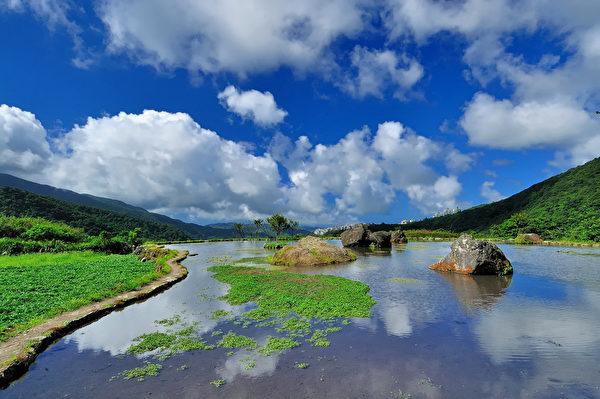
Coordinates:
239 229
258 224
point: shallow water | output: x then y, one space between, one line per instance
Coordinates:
431 335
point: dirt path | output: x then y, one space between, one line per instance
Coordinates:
19 352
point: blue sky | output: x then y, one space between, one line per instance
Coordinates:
361 111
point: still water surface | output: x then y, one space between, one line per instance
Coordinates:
431 335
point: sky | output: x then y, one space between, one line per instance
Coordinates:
330 112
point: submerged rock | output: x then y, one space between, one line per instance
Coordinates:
471 256
312 251
360 236
398 237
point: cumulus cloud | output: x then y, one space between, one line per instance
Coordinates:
23 145
489 192
167 162
229 36
504 124
376 71
252 104
553 98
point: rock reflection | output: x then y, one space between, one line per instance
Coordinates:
477 292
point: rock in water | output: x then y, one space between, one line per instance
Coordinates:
360 236
471 256
356 236
398 237
380 239
530 238
312 251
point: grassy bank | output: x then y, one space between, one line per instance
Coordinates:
37 287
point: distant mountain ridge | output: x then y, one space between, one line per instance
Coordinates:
565 206
186 230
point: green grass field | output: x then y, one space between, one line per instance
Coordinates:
36 287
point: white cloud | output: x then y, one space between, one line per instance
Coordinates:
23 145
489 192
231 36
376 71
167 162
252 104
553 98
503 124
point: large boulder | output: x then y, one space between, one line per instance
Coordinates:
529 238
312 251
360 236
471 256
379 239
398 237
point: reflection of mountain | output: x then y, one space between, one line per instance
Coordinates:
477 292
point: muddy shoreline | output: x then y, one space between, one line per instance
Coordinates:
19 352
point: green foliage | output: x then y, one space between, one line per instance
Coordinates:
276 344
275 244
238 228
92 221
36 287
563 207
278 293
139 373
302 365
232 340
281 224
168 343
218 383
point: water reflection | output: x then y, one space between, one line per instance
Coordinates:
532 335
477 292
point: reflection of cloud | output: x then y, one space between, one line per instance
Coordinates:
265 365
542 328
396 318
477 292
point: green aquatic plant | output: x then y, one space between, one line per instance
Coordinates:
294 325
233 340
168 343
256 260
149 370
302 365
218 383
279 293
248 362
277 344
319 336
219 314
170 322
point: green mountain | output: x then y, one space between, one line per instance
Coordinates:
115 210
563 207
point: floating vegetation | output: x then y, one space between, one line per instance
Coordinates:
218 383
302 365
319 336
276 344
168 343
233 340
139 373
183 367
220 260
219 314
275 245
278 293
257 260
345 322
216 333
295 325
248 363
571 252
170 322
404 280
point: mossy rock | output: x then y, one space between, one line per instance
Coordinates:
312 251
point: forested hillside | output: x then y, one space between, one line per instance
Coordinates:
563 207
